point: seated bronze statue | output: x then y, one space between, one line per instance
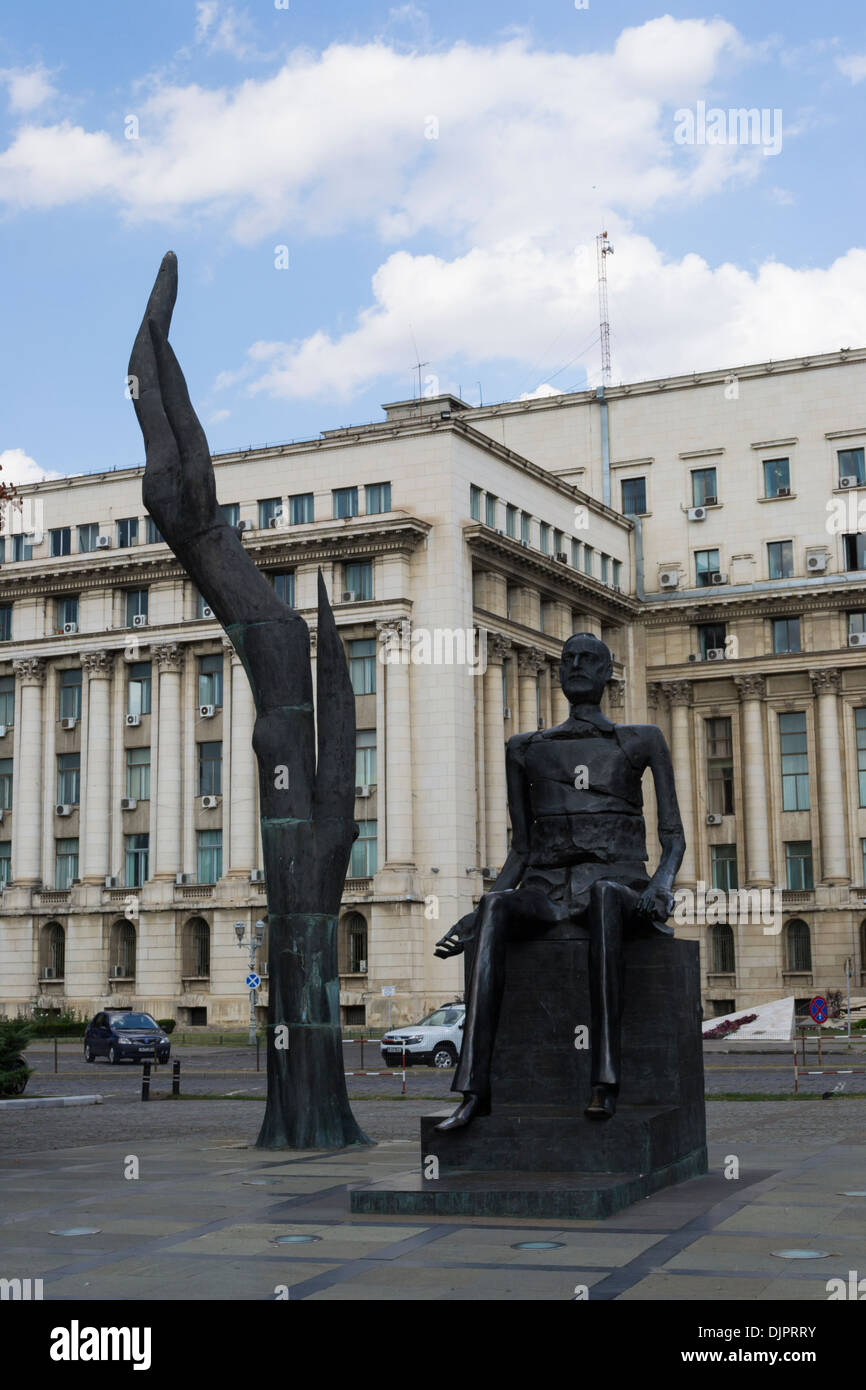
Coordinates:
578 854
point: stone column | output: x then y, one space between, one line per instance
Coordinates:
616 700
480 775
529 663
679 694
95 818
560 707
242 790
495 796
831 791
398 747
752 690
30 673
166 862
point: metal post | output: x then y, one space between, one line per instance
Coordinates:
362 1053
55 1054
796 1078
175 1077
820 1040
849 970
145 1081
403 1089
258 1050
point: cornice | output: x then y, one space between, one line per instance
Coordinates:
572 584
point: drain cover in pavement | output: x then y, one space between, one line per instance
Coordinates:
295 1240
801 1254
78 1231
538 1245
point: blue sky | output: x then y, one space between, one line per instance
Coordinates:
437 176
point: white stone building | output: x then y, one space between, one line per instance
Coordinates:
468 543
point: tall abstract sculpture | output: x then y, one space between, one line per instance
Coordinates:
306 773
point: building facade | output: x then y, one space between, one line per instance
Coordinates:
706 528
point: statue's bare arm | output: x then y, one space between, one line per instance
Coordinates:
657 898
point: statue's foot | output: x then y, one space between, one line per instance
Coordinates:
602 1104
470 1107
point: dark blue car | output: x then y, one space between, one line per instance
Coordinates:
122 1035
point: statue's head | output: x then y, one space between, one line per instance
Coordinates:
585 668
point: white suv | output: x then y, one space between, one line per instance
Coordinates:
436 1040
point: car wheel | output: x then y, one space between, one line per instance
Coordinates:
444 1056
112 1056
88 1053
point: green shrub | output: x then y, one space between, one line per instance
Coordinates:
15 1034
67 1023
167 1025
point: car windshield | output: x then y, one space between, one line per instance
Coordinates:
125 1022
442 1018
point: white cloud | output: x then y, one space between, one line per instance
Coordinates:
27 88
853 67
19 468
222 29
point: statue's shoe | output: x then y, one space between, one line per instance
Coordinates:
602 1104
470 1107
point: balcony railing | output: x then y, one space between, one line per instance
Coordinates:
358 885
53 895
798 895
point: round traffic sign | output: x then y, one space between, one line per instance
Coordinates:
253 980
818 1009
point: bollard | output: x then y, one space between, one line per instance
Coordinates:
258 1048
55 1054
145 1081
362 1054
175 1078
403 1088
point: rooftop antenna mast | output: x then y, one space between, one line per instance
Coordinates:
603 250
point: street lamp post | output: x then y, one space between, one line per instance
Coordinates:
257 936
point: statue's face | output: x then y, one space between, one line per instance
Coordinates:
584 669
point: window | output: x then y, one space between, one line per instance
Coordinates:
634 496
127 531
65 863
70 694
61 540
377 497
852 464
575 554
345 502
798 940
284 586
856 622
475 502
365 758
525 519
196 949
510 600
490 509
786 635
587 558
363 860
605 568
136 605
69 778
269 509
724 866
22 549
780 557
301 509
722 938
777 477
558 542
511 522
201 604
798 863
210 680
353 944
210 856
359 578
860 726
5 784
138 773
704 487
87 537
5 622
706 564
7 701
795 762
231 512
137 856
5 861
711 637
152 533
544 538
121 948
138 695
362 666
855 551
210 763
52 951
617 574
65 611
720 766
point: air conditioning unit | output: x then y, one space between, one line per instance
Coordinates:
69 723
783 492
850 480
713 818
716 577
488 873
695 656
697 513
362 791
103 542
48 973
206 612
209 803
857 639
62 810
715 654
139 620
275 521
362 967
711 501
525 544
4 729
69 628
816 564
257 875
133 721
112 881
541 724
562 556
506 713
117 972
2 814
206 711
181 879
128 803
669 579
349 596
244 526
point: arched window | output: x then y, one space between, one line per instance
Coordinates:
799 940
196 949
353 944
121 951
52 951
723 949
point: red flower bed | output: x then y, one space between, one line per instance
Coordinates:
729 1025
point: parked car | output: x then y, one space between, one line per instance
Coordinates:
123 1035
436 1040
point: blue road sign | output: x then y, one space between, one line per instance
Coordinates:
818 1009
253 980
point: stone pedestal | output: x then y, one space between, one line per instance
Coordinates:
536 1154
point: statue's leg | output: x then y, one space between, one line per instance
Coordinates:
610 906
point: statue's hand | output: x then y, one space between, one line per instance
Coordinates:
656 900
454 942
